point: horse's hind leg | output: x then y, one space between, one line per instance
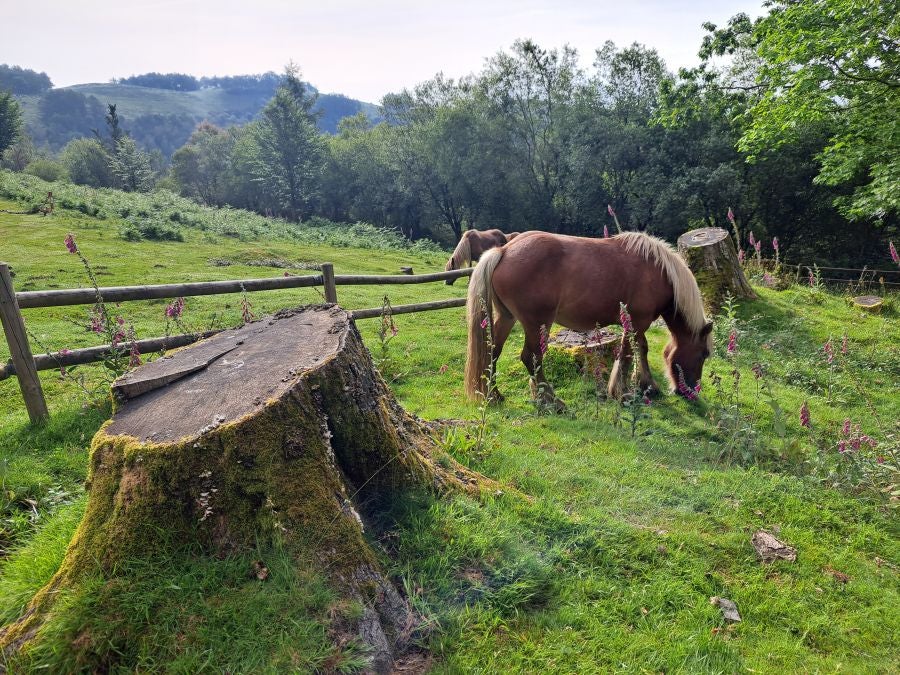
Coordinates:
503 324
532 357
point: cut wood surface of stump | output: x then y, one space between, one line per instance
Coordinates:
280 426
712 257
869 303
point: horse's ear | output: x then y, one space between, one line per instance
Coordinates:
707 329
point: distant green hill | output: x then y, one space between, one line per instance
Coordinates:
160 119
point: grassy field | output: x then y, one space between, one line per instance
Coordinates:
610 567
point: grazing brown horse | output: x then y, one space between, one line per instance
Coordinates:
472 246
579 282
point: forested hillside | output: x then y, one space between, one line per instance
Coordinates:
159 111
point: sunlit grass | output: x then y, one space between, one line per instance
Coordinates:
608 566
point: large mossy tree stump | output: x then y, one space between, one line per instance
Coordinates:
711 255
279 429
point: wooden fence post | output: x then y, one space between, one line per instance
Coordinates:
20 350
328 282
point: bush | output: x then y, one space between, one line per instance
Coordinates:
134 231
46 169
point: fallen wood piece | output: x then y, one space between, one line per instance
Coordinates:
729 609
768 548
168 369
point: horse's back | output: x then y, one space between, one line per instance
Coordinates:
580 281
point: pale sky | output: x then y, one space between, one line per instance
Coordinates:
363 49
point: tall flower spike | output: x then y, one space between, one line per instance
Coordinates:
751 239
804 415
73 247
625 318
828 350
732 343
775 243
894 255
730 216
605 232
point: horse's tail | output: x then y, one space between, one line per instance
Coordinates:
480 317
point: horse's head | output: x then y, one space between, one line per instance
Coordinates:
684 355
462 255
451 265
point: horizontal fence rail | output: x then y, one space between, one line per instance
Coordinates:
88 296
77 357
409 309
24 365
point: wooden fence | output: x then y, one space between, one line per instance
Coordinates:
25 365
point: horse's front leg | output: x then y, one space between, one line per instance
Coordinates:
645 380
533 358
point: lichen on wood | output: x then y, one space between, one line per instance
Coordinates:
288 435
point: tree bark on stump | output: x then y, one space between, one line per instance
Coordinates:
711 255
282 429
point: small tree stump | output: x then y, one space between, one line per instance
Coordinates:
711 255
282 426
593 351
869 303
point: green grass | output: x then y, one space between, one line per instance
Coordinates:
609 567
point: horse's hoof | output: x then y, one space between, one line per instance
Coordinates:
652 391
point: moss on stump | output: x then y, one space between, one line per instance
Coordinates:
278 430
711 255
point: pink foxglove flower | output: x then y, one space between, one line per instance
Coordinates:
828 350
775 243
730 216
804 415
894 255
683 389
751 239
73 247
175 309
812 279
605 232
610 210
625 318
732 343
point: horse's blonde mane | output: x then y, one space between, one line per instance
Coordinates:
688 301
462 255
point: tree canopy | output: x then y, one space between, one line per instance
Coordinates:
834 62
